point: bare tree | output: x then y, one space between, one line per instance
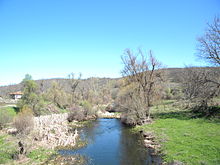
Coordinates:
142 75
73 85
196 83
204 84
201 85
41 86
209 43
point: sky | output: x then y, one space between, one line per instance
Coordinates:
52 38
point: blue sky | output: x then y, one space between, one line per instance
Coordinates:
52 38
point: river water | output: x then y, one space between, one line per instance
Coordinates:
112 143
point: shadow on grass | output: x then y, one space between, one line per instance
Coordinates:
212 114
181 115
212 111
16 109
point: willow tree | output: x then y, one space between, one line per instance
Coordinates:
142 79
57 95
30 96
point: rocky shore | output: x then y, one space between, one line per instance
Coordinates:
109 115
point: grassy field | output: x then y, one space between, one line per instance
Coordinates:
183 137
7 149
40 155
10 110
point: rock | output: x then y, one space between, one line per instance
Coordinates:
108 115
21 148
12 131
147 134
150 146
148 141
110 108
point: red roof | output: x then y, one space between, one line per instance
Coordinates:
16 93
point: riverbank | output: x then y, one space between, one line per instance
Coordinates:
109 115
49 132
112 143
184 138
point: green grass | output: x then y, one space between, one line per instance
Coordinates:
40 155
64 110
190 140
7 149
81 124
10 110
117 113
6 116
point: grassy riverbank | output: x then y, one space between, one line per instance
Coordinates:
6 115
7 149
35 154
185 138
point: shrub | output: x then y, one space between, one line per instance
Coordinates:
130 120
210 111
76 114
114 93
87 108
57 96
24 121
167 94
5 117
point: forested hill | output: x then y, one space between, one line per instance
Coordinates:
172 75
45 84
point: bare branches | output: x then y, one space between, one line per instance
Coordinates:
142 75
200 85
73 84
143 71
209 44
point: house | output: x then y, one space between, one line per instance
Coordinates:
16 95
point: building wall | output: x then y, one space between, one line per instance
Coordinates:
17 97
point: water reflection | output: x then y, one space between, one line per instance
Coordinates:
110 143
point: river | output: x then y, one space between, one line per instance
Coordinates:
112 143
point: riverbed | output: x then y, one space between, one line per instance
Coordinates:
112 143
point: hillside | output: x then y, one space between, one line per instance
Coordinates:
172 75
45 84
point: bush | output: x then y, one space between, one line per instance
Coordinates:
130 120
5 117
57 95
114 93
76 114
87 108
132 106
168 94
24 121
206 111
